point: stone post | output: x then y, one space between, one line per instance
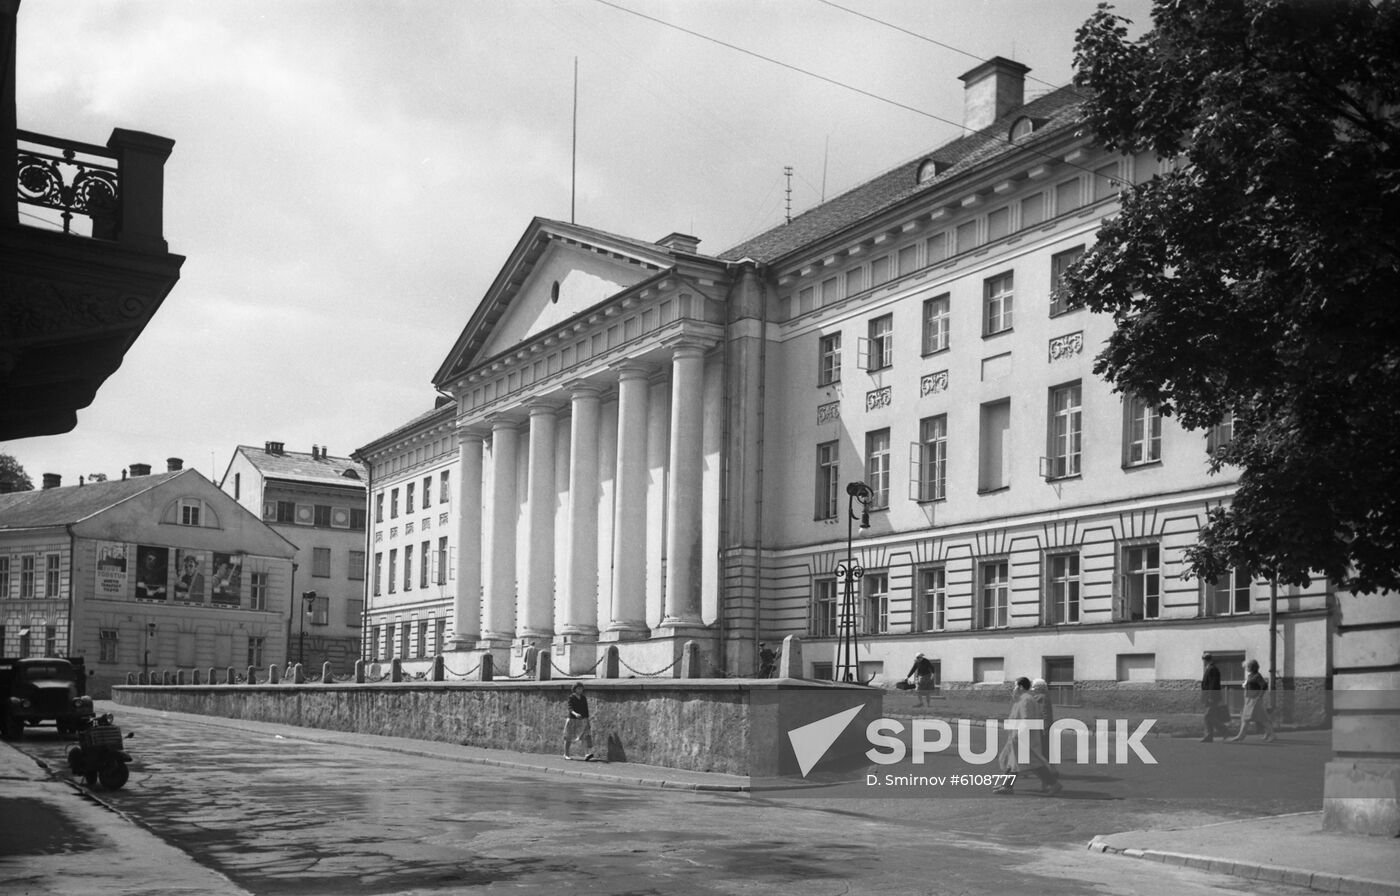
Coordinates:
690 660
487 670
396 669
611 662
790 660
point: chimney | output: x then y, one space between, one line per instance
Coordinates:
174 464
991 90
140 470
272 447
52 480
680 242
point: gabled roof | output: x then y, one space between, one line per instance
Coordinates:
298 466
446 410
527 252
74 503
1054 112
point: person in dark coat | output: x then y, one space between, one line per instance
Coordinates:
1211 700
578 727
921 677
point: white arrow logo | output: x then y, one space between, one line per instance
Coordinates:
811 741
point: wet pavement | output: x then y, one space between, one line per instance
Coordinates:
272 809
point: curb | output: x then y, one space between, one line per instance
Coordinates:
1314 880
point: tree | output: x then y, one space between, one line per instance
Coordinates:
11 471
1257 278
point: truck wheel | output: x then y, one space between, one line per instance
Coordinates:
113 775
90 778
75 758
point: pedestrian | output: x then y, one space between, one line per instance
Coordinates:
1024 708
1254 709
1040 692
578 727
767 661
1215 712
921 677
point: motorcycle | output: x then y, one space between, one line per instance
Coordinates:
98 754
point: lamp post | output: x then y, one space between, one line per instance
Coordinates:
308 601
849 572
146 653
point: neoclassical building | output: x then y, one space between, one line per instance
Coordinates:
655 445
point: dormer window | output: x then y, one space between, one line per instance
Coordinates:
1021 128
929 169
191 511
554 292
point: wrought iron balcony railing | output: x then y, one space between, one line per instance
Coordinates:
72 178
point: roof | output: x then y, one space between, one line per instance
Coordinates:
299 466
446 411
1055 111
73 503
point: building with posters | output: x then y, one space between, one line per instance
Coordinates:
163 572
657 445
413 537
317 502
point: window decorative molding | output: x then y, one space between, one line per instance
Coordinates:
933 383
878 398
828 413
1066 346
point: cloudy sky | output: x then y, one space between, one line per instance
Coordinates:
349 175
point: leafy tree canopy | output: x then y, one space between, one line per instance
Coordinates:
1258 277
11 470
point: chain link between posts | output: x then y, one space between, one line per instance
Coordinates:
624 665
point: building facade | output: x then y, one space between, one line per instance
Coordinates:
655 445
316 502
158 573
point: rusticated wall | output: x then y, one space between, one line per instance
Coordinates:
687 724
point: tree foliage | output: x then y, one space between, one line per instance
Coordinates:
12 471
1258 276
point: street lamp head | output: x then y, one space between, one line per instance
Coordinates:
865 519
308 599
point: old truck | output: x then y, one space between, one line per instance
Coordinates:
43 689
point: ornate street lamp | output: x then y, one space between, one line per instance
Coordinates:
308 602
849 572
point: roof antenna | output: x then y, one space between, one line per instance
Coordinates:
787 171
826 151
573 156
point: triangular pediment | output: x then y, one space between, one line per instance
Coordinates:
557 271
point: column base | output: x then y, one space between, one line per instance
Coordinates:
625 631
682 628
463 644
576 655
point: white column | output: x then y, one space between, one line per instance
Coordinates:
537 582
684 494
580 582
498 604
629 506
466 605
658 461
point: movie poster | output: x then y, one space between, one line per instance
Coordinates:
228 580
111 569
189 576
152 572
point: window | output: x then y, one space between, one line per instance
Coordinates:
394 504
1066 432
931 607
26 576
1059 263
257 591
936 324
321 562
1221 434
421 642
355 569
388 640
931 471
408 568
286 512
379 508
24 643
1142 432
393 569
806 299
877 467
1106 181
408 498
1142 582
378 572
354 612
320 610
999 223
1062 588
989 669
1059 675
824 609
439 635
357 518
994 449
909 259
50 640
427 492
881 343
880 271
444 488
875 587
403 638
374 642
829 359
1137 667
936 248
107 645
423 563
966 236
442 561
831 291
4 584
256 646
855 281
997 300
51 574
189 512
828 480
1228 594
321 516
995 594
1066 196
1032 210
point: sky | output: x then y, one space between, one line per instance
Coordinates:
349 176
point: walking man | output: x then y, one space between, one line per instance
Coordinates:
1211 700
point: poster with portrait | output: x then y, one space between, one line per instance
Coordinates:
152 572
189 576
228 580
111 569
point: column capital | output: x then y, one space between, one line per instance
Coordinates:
472 430
631 370
503 421
541 407
582 388
687 344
